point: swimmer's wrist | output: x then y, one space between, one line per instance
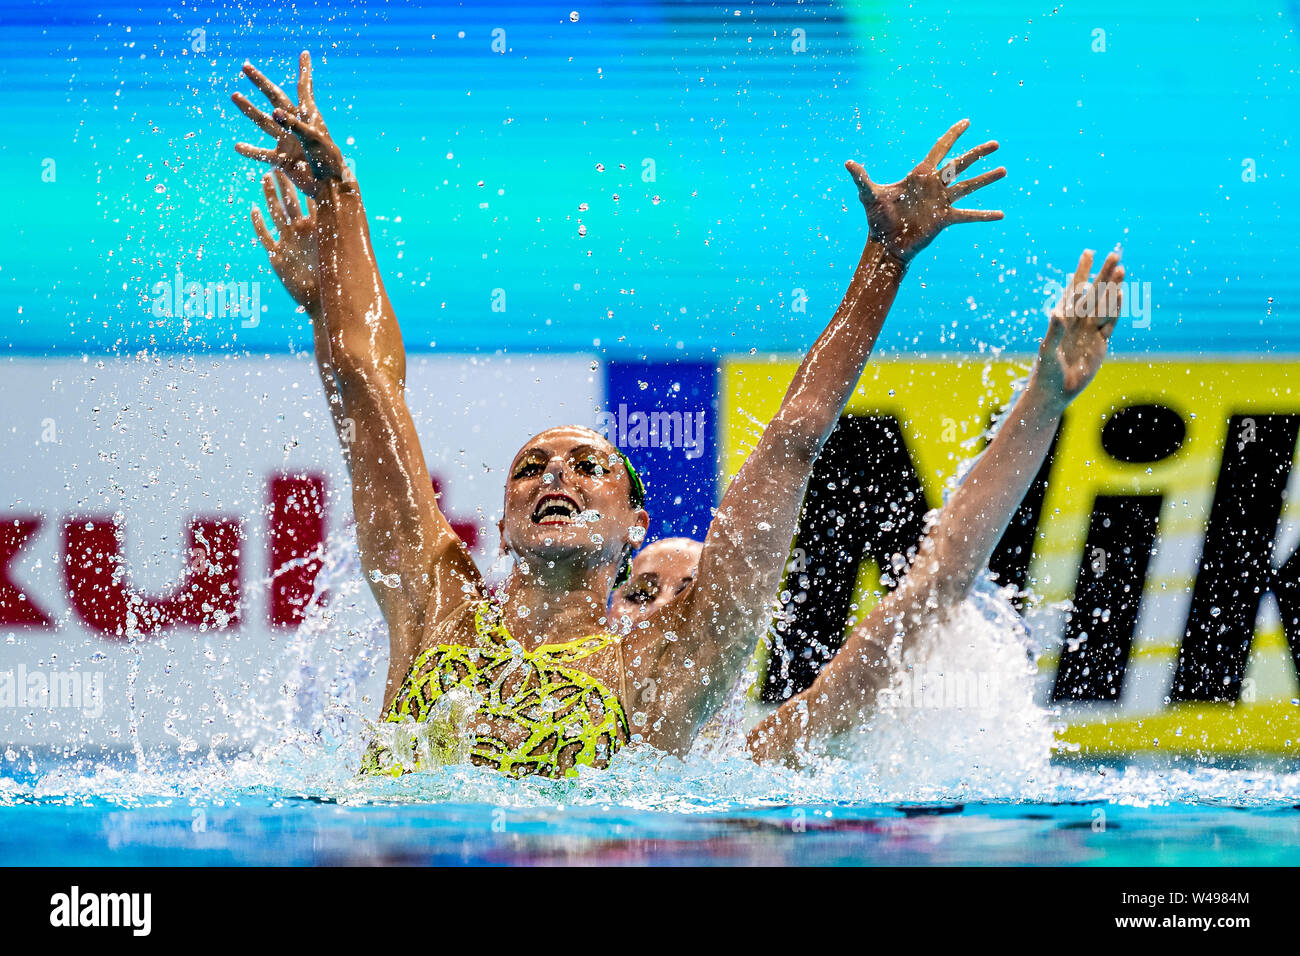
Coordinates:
336 188
1049 403
887 257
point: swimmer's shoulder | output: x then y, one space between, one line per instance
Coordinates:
457 626
663 628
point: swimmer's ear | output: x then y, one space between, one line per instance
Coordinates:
501 537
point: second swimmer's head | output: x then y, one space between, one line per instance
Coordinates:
660 571
573 499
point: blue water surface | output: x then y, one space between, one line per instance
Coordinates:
271 831
660 812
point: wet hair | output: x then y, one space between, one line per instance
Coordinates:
636 493
636 487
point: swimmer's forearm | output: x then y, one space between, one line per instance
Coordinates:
359 319
841 697
954 551
749 538
961 542
328 380
831 369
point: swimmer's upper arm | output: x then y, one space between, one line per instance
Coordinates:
723 613
400 529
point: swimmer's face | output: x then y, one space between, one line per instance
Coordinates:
660 572
568 497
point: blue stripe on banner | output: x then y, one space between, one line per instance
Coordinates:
663 416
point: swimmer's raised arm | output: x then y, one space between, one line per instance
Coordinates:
959 544
417 567
749 539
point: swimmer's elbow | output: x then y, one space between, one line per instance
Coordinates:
359 370
937 581
793 443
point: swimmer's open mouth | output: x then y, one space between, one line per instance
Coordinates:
555 508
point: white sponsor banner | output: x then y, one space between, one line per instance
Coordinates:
145 502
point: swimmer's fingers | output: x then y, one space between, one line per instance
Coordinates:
1099 301
264 234
1108 267
1074 300
945 142
865 186
305 131
273 92
968 186
274 204
967 158
311 209
974 215
306 100
263 121
866 189
1114 302
261 155
1080 280
1107 295
289 196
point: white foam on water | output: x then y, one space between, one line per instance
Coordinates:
959 720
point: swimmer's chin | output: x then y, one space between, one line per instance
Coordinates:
550 542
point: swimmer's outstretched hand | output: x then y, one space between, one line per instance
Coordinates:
293 257
303 147
1079 330
906 216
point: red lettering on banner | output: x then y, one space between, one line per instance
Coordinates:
95 574
16 608
296 544
209 589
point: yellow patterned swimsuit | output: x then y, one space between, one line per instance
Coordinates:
520 711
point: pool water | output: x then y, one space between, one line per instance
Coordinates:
261 831
655 811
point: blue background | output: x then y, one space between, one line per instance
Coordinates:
1143 143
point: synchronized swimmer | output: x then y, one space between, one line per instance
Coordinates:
549 675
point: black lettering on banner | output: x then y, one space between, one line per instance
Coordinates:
1236 567
1113 567
876 509
864 499
1107 597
